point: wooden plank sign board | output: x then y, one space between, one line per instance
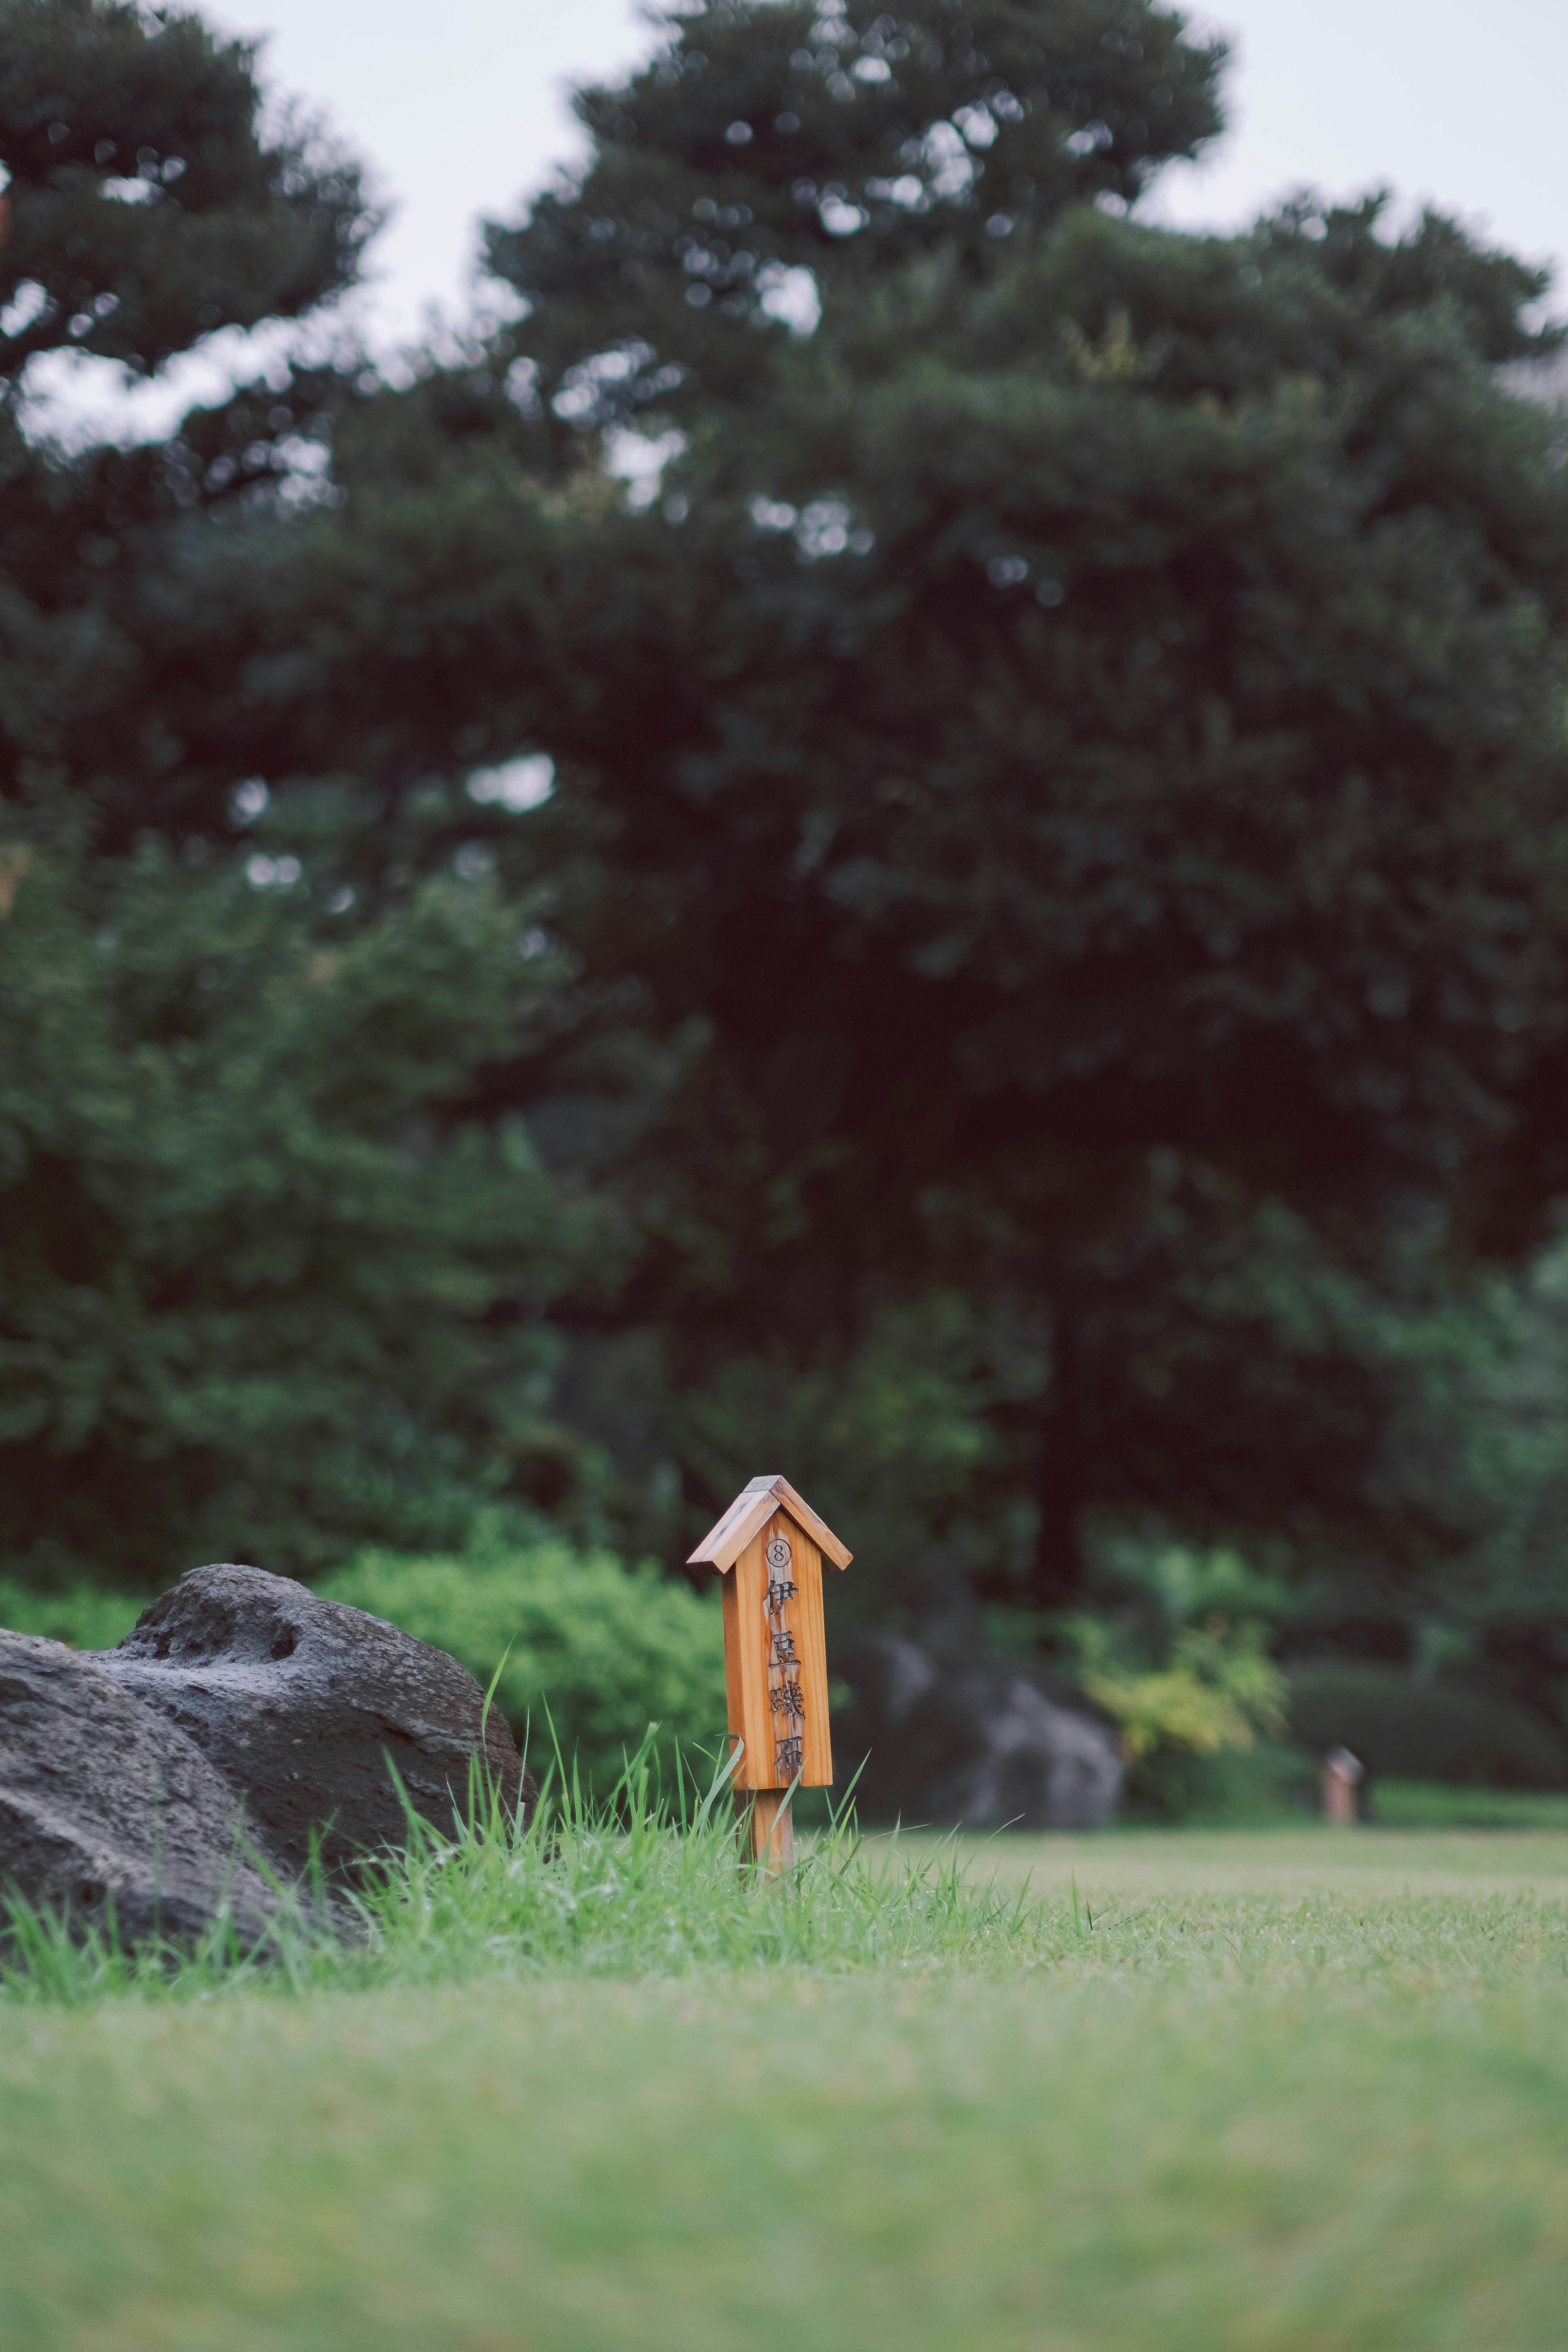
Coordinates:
769 1548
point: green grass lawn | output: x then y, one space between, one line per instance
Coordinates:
1138 1863
1291 2092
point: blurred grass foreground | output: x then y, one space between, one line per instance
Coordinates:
579 2091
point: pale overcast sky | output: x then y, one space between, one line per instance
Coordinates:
460 105
460 108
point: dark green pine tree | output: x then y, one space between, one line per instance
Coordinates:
269 1286
1058 825
1072 748
142 207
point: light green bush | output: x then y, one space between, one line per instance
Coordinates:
1185 1671
1215 1689
85 1616
605 1649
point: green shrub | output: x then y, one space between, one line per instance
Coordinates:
1423 1731
607 1650
1216 1688
1238 1785
1439 1805
86 1617
1185 1671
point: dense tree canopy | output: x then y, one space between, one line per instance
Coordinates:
1098 784
265 1286
143 208
1046 949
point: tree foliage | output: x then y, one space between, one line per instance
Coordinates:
1088 759
144 207
267 1284
1048 938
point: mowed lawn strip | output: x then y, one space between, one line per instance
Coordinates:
1277 1860
1324 2123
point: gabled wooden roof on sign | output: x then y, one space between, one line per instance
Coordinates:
750 1512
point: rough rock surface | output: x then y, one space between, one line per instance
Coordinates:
300 1702
974 1742
104 1801
240 1703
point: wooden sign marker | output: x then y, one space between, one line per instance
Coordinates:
769 1548
1342 1770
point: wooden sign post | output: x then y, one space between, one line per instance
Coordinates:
769 1548
1342 1770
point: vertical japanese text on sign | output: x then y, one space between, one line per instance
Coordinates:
784 1696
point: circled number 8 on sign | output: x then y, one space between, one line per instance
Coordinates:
778 1555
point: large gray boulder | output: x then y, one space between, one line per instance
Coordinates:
971 1741
242 1716
302 1703
105 1805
